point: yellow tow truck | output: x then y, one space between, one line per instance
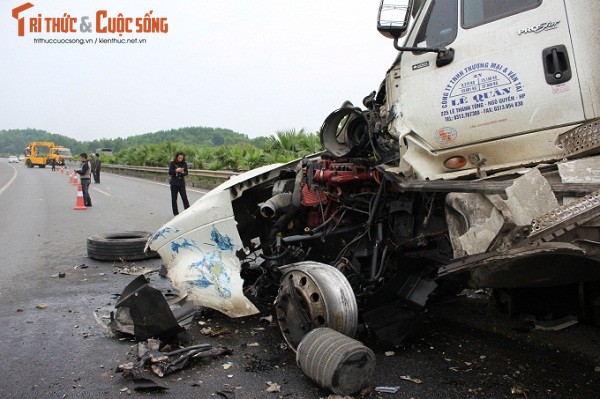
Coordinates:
33 155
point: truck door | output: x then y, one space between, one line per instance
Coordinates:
512 72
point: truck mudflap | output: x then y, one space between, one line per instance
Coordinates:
198 248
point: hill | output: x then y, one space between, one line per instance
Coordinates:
13 141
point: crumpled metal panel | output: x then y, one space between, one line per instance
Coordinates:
198 248
475 222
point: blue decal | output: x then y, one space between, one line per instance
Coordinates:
184 244
222 241
211 271
161 233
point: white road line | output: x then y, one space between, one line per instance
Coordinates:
10 181
103 192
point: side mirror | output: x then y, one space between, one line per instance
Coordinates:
393 17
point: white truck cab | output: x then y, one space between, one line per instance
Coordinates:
520 73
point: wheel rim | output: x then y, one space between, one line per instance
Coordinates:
314 295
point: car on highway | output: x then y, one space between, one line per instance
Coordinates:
13 159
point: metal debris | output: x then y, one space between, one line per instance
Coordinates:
387 389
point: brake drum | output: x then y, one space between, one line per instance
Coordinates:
312 295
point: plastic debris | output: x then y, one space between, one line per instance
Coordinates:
227 365
411 379
390 353
387 389
226 394
273 387
253 344
42 306
268 319
147 385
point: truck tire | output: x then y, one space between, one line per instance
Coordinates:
28 164
125 245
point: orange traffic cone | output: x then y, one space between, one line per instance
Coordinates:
71 176
75 179
79 205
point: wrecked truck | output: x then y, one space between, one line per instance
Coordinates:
475 164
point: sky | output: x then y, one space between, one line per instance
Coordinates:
255 67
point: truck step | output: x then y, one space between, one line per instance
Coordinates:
564 218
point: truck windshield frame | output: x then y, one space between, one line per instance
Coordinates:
480 12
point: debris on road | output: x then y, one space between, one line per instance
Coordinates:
411 379
557 324
519 390
143 311
146 385
42 306
273 387
387 389
163 363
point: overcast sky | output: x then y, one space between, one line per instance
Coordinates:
253 66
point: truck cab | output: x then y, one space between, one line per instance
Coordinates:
507 79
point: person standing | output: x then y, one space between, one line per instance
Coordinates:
96 170
178 170
86 178
53 164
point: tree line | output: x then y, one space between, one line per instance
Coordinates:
205 148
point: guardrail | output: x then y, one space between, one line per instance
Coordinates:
162 171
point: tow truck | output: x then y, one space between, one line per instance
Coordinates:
35 157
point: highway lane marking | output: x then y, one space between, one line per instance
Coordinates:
10 181
103 192
155 182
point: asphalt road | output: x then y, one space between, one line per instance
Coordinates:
466 349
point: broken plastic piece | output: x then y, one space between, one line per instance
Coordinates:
145 384
387 389
147 310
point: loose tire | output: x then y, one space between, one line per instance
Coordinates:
126 245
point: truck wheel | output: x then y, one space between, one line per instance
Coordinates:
28 164
312 295
126 245
42 166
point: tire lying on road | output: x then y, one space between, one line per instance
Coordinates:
126 245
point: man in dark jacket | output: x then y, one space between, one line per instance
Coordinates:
86 178
178 170
96 169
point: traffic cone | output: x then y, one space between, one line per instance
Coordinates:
75 179
79 205
71 175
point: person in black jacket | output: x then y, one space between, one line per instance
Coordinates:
178 170
86 174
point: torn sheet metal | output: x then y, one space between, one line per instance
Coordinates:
143 311
478 223
199 247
